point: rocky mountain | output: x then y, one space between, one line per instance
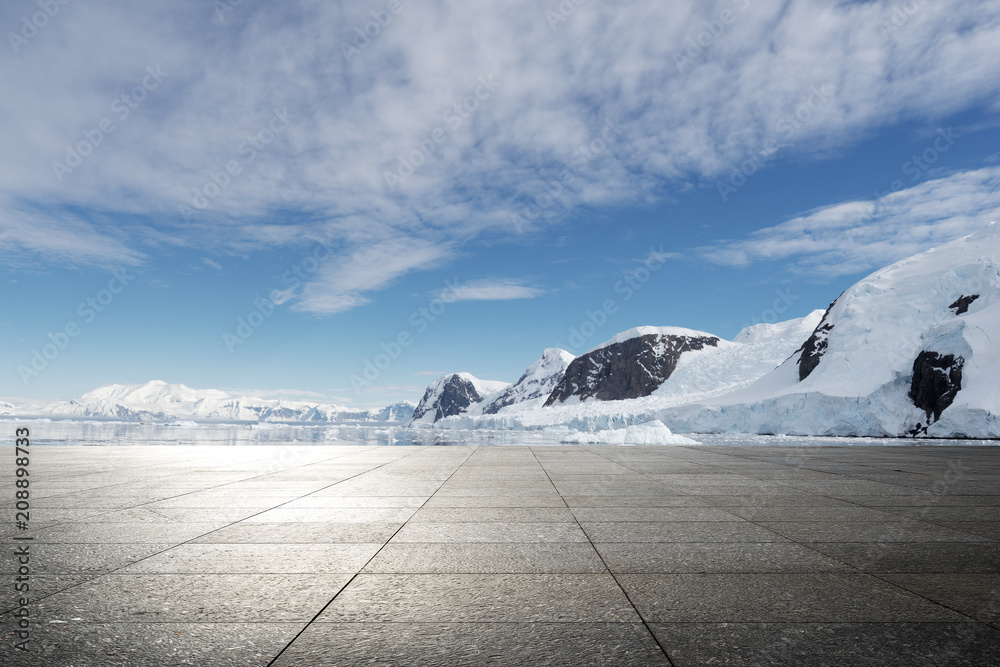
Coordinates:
162 401
536 383
455 394
633 364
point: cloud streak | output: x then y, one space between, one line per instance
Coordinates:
858 236
490 290
351 118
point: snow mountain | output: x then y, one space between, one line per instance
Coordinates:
454 394
537 382
913 349
162 401
685 364
633 364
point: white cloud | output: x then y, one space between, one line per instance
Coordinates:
212 264
857 236
490 290
341 284
350 121
64 238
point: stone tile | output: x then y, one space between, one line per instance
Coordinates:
257 559
813 513
679 531
641 502
975 595
499 500
775 500
867 531
40 586
829 644
79 558
331 502
650 514
987 529
714 557
477 558
333 515
790 598
952 513
194 598
910 557
475 644
493 515
490 532
154 644
123 533
300 533
480 598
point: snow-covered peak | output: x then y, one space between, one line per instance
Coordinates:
662 332
484 387
153 392
455 394
158 401
878 326
764 332
536 383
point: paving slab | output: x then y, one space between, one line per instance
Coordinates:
475 644
550 555
830 644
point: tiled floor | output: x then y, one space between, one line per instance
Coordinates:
756 555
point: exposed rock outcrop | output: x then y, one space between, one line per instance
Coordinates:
447 396
632 365
812 350
937 379
962 303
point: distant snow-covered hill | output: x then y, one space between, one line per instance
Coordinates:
161 401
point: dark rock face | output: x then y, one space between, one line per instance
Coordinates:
812 350
630 369
962 303
453 398
936 380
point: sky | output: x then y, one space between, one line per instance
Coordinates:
340 201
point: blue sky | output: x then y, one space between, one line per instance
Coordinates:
254 196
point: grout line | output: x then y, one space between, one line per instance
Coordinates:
614 578
375 555
197 537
